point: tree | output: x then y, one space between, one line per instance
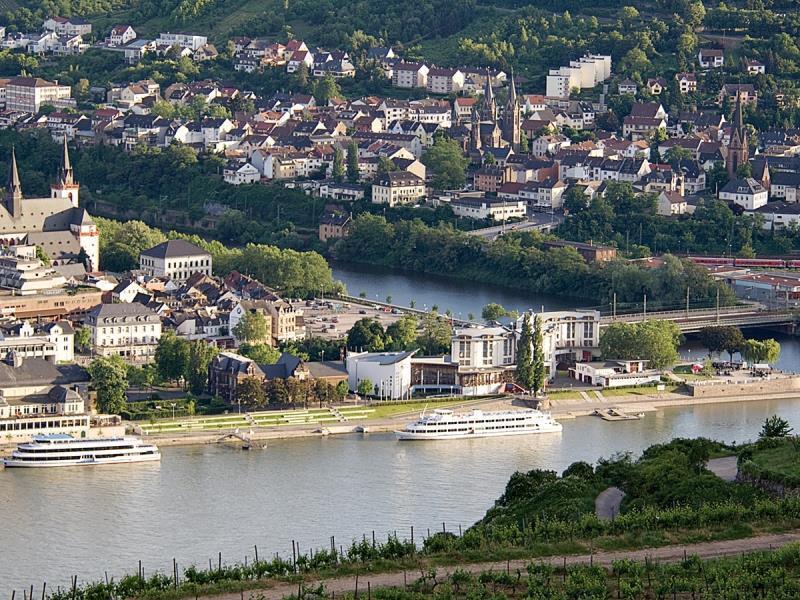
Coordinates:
338 165
250 392
537 383
140 377
722 338
83 337
109 375
263 354
447 162
366 387
575 200
775 427
352 162
366 334
342 389
436 334
326 88
252 327
493 312
402 334
654 341
199 358
761 351
676 154
385 165
172 357
744 170
525 371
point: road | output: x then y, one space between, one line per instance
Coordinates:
536 221
705 550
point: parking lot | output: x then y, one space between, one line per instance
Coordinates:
332 319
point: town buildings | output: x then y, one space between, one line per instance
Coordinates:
29 94
176 259
128 330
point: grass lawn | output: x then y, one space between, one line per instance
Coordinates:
564 395
783 459
391 410
638 391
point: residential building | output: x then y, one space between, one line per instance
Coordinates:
747 193
755 67
68 26
28 94
445 81
627 86
226 372
176 259
711 58
121 35
128 330
687 82
398 187
53 341
237 173
183 40
410 75
334 226
671 203
589 252
779 215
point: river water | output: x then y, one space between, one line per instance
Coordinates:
203 500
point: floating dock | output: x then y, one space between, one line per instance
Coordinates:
615 414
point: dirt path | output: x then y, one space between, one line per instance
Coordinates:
704 550
606 505
725 468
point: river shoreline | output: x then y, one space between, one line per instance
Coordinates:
560 409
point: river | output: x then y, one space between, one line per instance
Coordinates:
466 297
203 500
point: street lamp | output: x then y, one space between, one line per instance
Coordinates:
173 404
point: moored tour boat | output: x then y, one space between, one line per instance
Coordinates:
444 424
61 450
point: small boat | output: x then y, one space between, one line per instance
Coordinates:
444 424
62 450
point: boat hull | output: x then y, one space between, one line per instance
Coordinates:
459 435
12 462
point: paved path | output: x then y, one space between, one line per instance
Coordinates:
606 505
725 468
705 550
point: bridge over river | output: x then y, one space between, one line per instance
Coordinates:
693 320
689 321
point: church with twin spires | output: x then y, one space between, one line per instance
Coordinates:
57 224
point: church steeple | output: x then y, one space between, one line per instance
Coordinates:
474 132
512 120
738 150
65 176
489 105
14 189
65 185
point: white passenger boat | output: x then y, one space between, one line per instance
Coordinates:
444 424
61 450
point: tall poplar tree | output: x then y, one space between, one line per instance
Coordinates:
538 356
352 162
525 371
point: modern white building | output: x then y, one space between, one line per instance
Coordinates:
615 373
389 373
584 73
176 259
128 330
22 271
496 209
184 40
